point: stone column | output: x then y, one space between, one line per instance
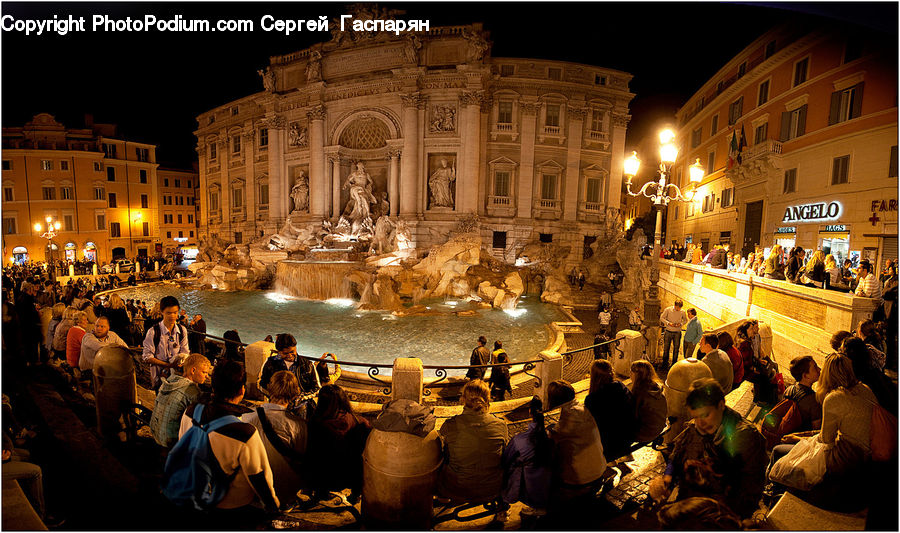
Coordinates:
278 194
467 174
616 165
409 165
407 379
251 203
575 117
394 183
525 201
319 190
335 185
225 182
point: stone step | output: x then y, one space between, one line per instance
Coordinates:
793 514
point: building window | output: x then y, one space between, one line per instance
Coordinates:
145 201
179 218
143 176
64 165
212 152
696 137
109 150
7 164
99 193
507 70
592 193
742 69
238 237
545 237
68 222
191 220
9 225
714 127
8 194
840 170
853 49
237 197
65 193
46 164
552 118
168 234
110 173
790 181
112 200
213 201
793 123
711 163
892 166
167 218
180 234
801 69
263 195
763 93
165 182
191 233
97 166
263 137
146 229
235 110
504 115
846 104
143 154
167 200
709 203
178 183
187 184
499 240
502 180
548 187
597 122
114 229
735 110
48 193
554 73
761 134
101 221
235 144
728 197
770 49
675 215
599 79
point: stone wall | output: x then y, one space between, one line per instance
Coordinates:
802 319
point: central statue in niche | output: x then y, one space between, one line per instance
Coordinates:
358 211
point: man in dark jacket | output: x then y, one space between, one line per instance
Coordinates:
30 322
480 356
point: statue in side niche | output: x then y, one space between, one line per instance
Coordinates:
300 193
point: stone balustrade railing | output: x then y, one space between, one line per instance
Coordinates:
802 319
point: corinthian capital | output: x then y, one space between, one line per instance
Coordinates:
620 121
411 100
275 122
471 98
530 108
576 113
316 113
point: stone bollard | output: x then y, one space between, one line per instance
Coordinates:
407 379
94 269
156 266
678 381
255 356
137 267
117 268
549 371
114 383
71 271
630 349
400 469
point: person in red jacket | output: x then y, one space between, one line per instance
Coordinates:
726 344
73 338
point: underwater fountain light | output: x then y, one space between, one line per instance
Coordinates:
341 302
515 313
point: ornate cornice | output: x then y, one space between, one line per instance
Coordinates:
620 121
576 113
274 122
530 108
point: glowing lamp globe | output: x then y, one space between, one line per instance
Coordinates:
697 172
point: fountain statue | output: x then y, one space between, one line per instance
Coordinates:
358 211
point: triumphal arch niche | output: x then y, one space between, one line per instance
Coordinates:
424 127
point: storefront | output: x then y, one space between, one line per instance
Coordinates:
786 236
70 251
90 252
834 239
20 255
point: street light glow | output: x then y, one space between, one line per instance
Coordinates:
37 226
666 136
632 164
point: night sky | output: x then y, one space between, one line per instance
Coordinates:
154 84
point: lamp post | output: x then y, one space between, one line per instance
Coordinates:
52 228
660 193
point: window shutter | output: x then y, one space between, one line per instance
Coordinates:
835 108
785 125
857 102
801 121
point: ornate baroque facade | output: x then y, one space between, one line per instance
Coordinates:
534 148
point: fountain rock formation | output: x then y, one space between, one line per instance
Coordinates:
236 270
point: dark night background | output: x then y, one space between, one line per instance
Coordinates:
153 84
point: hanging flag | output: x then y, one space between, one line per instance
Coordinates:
741 146
732 150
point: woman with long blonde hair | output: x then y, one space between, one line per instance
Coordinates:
815 269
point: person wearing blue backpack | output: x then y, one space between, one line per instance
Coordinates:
219 463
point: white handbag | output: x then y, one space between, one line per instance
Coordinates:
803 467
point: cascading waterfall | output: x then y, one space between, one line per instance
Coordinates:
314 280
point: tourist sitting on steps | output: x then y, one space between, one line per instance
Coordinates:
528 464
284 435
285 358
650 406
473 443
91 343
175 394
612 406
718 361
336 432
718 454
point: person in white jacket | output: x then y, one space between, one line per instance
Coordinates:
92 342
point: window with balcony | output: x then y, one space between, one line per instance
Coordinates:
846 104
112 200
552 117
592 193
801 71
762 95
46 164
840 170
502 179
115 230
504 112
761 133
548 189
48 193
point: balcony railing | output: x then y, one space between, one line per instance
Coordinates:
551 130
594 207
504 126
500 201
764 148
600 136
549 204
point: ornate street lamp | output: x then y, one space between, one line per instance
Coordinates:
52 228
660 193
